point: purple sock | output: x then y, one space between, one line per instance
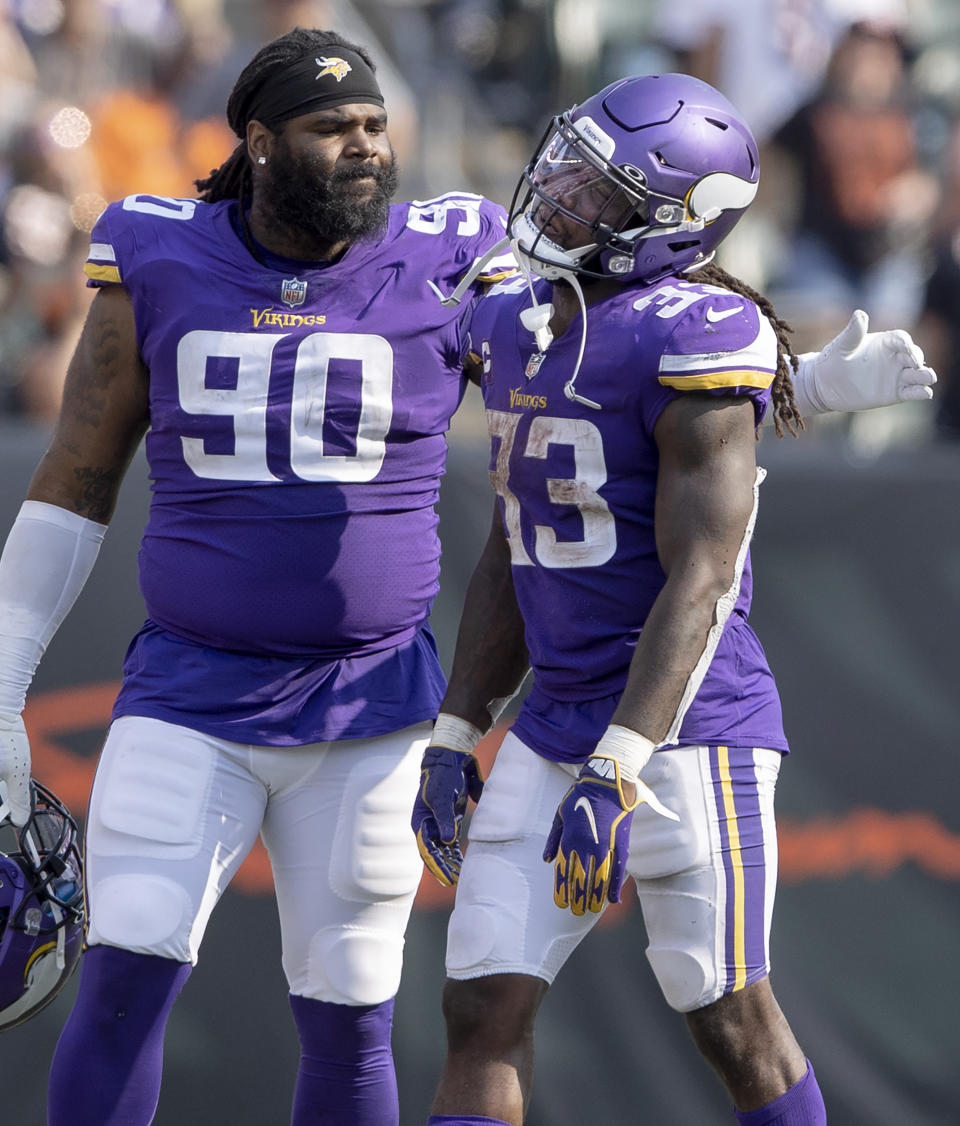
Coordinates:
109 1059
802 1105
464 1120
346 1067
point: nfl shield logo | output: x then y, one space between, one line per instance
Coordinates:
293 292
533 364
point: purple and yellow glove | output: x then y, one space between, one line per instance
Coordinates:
590 837
448 776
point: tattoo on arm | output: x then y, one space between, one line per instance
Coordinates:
89 396
97 492
105 413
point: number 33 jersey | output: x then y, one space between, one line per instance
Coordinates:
297 419
577 486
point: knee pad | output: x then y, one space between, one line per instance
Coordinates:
143 913
353 966
480 919
504 920
686 979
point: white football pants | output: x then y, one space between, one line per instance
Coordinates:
174 813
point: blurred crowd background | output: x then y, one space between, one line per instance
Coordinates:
856 105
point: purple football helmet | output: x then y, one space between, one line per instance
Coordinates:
644 179
41 907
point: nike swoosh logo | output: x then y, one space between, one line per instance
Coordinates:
713 316
582 803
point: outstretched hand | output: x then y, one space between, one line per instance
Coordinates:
859 370
447 779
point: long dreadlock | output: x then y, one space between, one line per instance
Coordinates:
785 412
234 178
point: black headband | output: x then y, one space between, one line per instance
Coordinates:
335 76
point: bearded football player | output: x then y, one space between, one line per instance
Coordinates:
279 342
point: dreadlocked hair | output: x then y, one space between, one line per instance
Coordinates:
785 412
233 179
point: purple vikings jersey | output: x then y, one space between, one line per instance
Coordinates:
577 488
296 442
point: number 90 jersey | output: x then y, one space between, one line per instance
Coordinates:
577 487
297 419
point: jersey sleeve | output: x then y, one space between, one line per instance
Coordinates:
131 234
721 345
466 229
493 230
102 267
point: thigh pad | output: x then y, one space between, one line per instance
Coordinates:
504 919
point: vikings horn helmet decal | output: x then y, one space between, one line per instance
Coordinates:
644 179
41 907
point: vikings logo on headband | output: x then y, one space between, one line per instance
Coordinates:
300 88
339 68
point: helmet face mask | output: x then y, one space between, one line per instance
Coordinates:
41 907
572 204
644 179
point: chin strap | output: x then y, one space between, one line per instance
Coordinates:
568 388
536 320
470 276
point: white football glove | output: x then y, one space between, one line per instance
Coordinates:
14 770
860 370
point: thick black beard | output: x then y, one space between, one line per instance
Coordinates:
307 202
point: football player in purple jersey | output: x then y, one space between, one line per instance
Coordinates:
280 344
624 378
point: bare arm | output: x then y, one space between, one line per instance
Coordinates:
489 664
491 655
103 416
704 501
473 370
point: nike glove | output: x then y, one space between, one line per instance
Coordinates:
447 778
590 837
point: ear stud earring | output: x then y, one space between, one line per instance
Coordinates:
261 160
